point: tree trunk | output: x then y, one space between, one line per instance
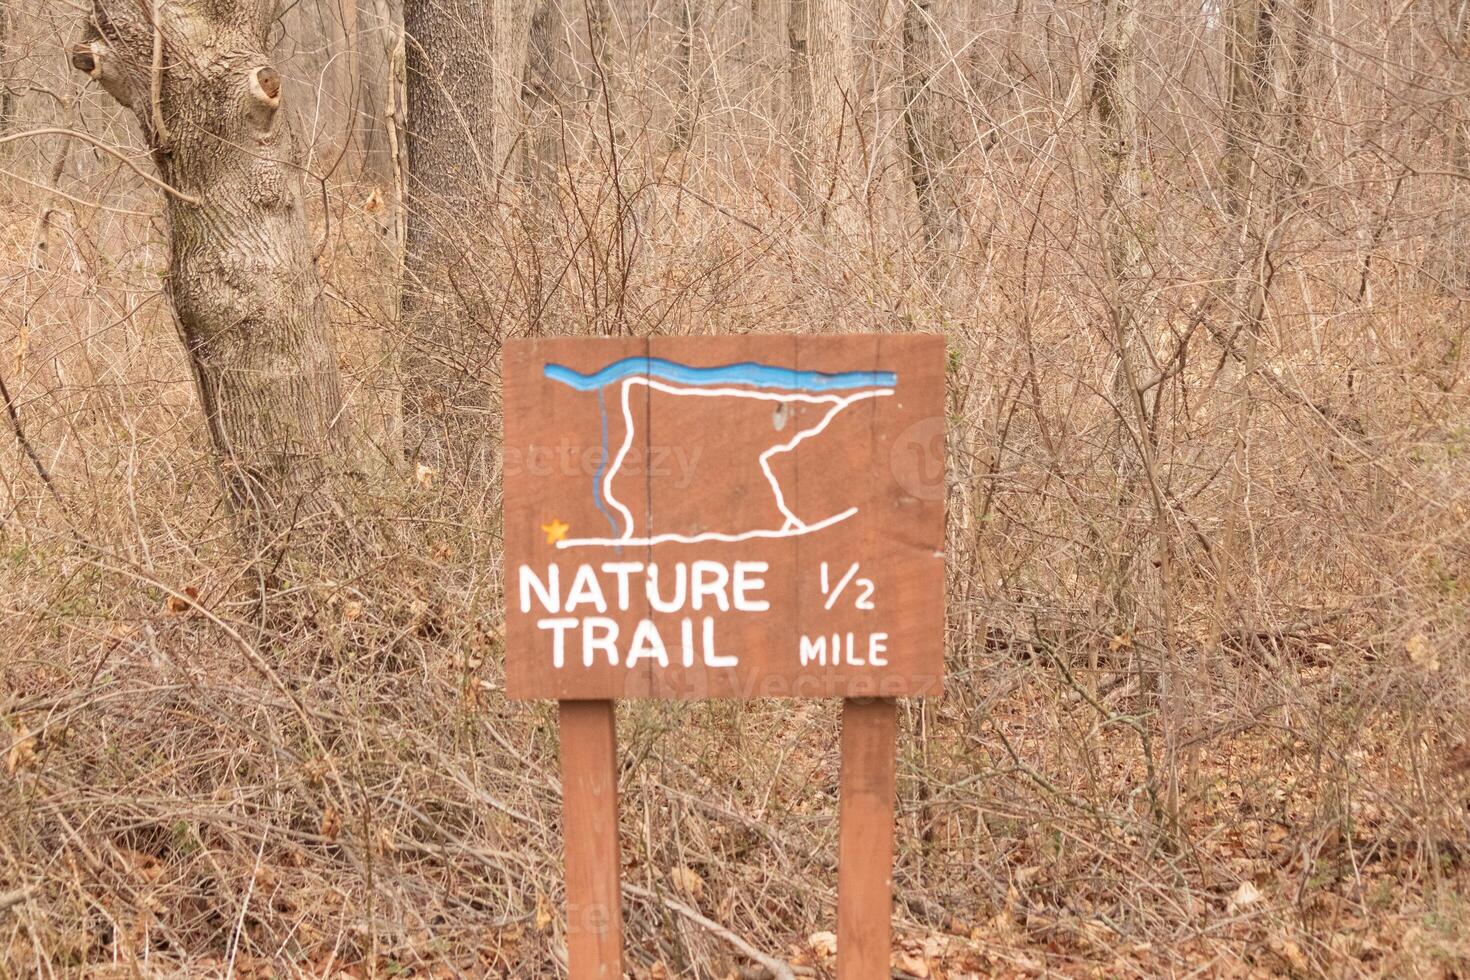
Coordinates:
449 111
508 43
686 108
800 84
541 159
382 132
242 274
380 29
931 149
1250 35
1456 269
464 74
1249 31
7 94
1299 127
766 55
821 95
599 27
1114 100
543 92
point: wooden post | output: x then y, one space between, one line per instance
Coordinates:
865 845
589 781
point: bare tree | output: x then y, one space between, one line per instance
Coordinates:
599 27
510 34
1114 97
1299 60
686 109
242 276
7 94
543 92
931 149
544 154
464 74
767 53
821 95
1250 28
1455 31
450 106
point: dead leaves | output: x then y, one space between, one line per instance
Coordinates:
1290 951
331 823
1422 653
180 603
822 945
1247 894
1456 762
22 754
687 882
912 963
143 868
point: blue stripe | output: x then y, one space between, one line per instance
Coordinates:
744 373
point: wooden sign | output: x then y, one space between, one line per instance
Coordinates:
732 517
717 517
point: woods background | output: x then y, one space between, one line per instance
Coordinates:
1202 272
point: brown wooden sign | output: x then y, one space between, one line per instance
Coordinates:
737 517
699 517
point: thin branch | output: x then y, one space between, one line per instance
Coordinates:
155 81
112 151
8 899
684 189
779 969
25 444
72 197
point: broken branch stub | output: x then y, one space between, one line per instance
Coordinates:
265 85
84 59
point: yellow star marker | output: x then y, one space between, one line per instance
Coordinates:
555 531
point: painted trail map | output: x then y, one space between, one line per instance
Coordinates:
764 384
724 516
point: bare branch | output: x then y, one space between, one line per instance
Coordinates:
779 969
155 78
105 148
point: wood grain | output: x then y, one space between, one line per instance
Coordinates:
865 846
589 775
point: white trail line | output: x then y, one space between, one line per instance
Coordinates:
794 526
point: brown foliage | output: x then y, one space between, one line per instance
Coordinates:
1207 684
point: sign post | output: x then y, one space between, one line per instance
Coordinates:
589 781
725 517
865 839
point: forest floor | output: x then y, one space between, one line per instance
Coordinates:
362 801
